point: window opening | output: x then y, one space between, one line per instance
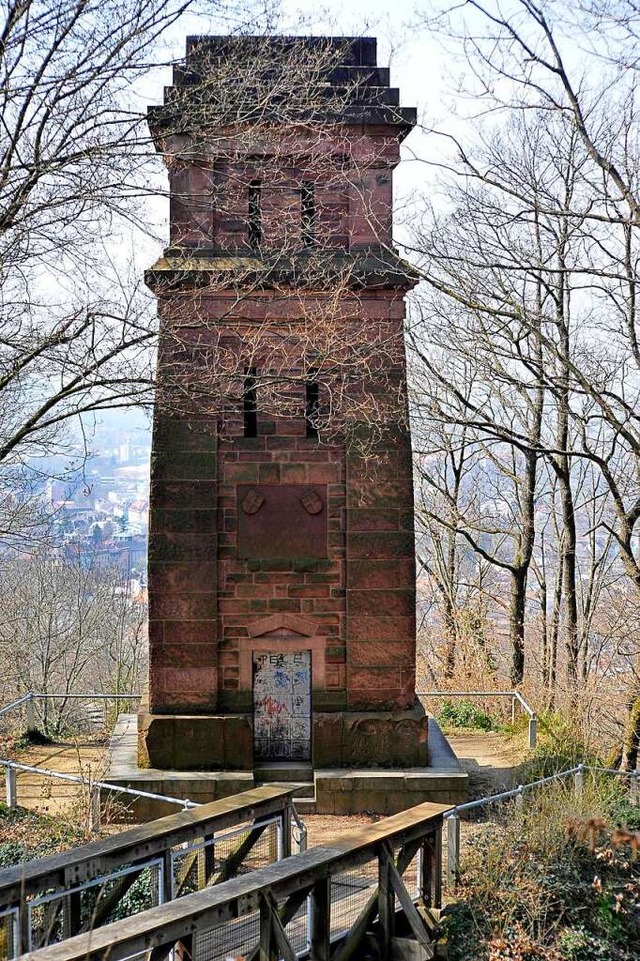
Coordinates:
308 213
255 213
250 403
312 407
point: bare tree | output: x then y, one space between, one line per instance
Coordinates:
68 626
570 193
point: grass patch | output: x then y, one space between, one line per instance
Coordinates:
25 835
464 715
553 880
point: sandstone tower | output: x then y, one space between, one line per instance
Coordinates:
281 555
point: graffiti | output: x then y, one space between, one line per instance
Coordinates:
282 705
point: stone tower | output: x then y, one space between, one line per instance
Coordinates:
281 554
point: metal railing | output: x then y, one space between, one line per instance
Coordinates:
93 788
452 817
514 696
27 704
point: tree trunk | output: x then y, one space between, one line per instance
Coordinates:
631 745
516 623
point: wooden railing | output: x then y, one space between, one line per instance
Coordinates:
56 897
353 886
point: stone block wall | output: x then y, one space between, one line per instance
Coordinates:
352 592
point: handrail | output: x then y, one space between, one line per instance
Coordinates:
85 697
278 891
452 817
514 695
14 704
111 864
102 785
139 843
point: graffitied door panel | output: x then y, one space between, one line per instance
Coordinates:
282 706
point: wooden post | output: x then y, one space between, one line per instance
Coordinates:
578 782
12 787
167 876
23 945
72 914
533 731
94 809
386 901
209 856
285 822
265 930
320 949
430 879
30 714
453 849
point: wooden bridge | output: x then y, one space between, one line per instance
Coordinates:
324 904
53 898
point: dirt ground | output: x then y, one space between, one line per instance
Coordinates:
490 760
52 796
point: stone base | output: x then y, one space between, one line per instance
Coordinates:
332 791
371 739
198 742
206 742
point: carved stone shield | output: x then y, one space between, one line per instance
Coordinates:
311 501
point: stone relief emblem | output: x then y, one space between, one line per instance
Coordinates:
252 502
312 502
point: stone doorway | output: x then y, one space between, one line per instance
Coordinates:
282 705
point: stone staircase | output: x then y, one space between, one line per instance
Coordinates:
290 772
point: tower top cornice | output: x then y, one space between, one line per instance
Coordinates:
266 80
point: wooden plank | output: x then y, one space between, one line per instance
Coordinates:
410 911
431 875
265 930
321 920
386 900
285 950
69 868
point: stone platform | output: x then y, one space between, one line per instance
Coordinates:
332 791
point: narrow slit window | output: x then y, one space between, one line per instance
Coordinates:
250 403
308 214
312 406
255 213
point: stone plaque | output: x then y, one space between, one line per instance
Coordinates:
285 521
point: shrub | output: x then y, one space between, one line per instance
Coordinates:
464 714
531 890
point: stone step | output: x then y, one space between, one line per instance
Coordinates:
306 805
302 789
271 771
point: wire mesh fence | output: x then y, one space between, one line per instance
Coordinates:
233 939
9 933
122 893
350 891
226 854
